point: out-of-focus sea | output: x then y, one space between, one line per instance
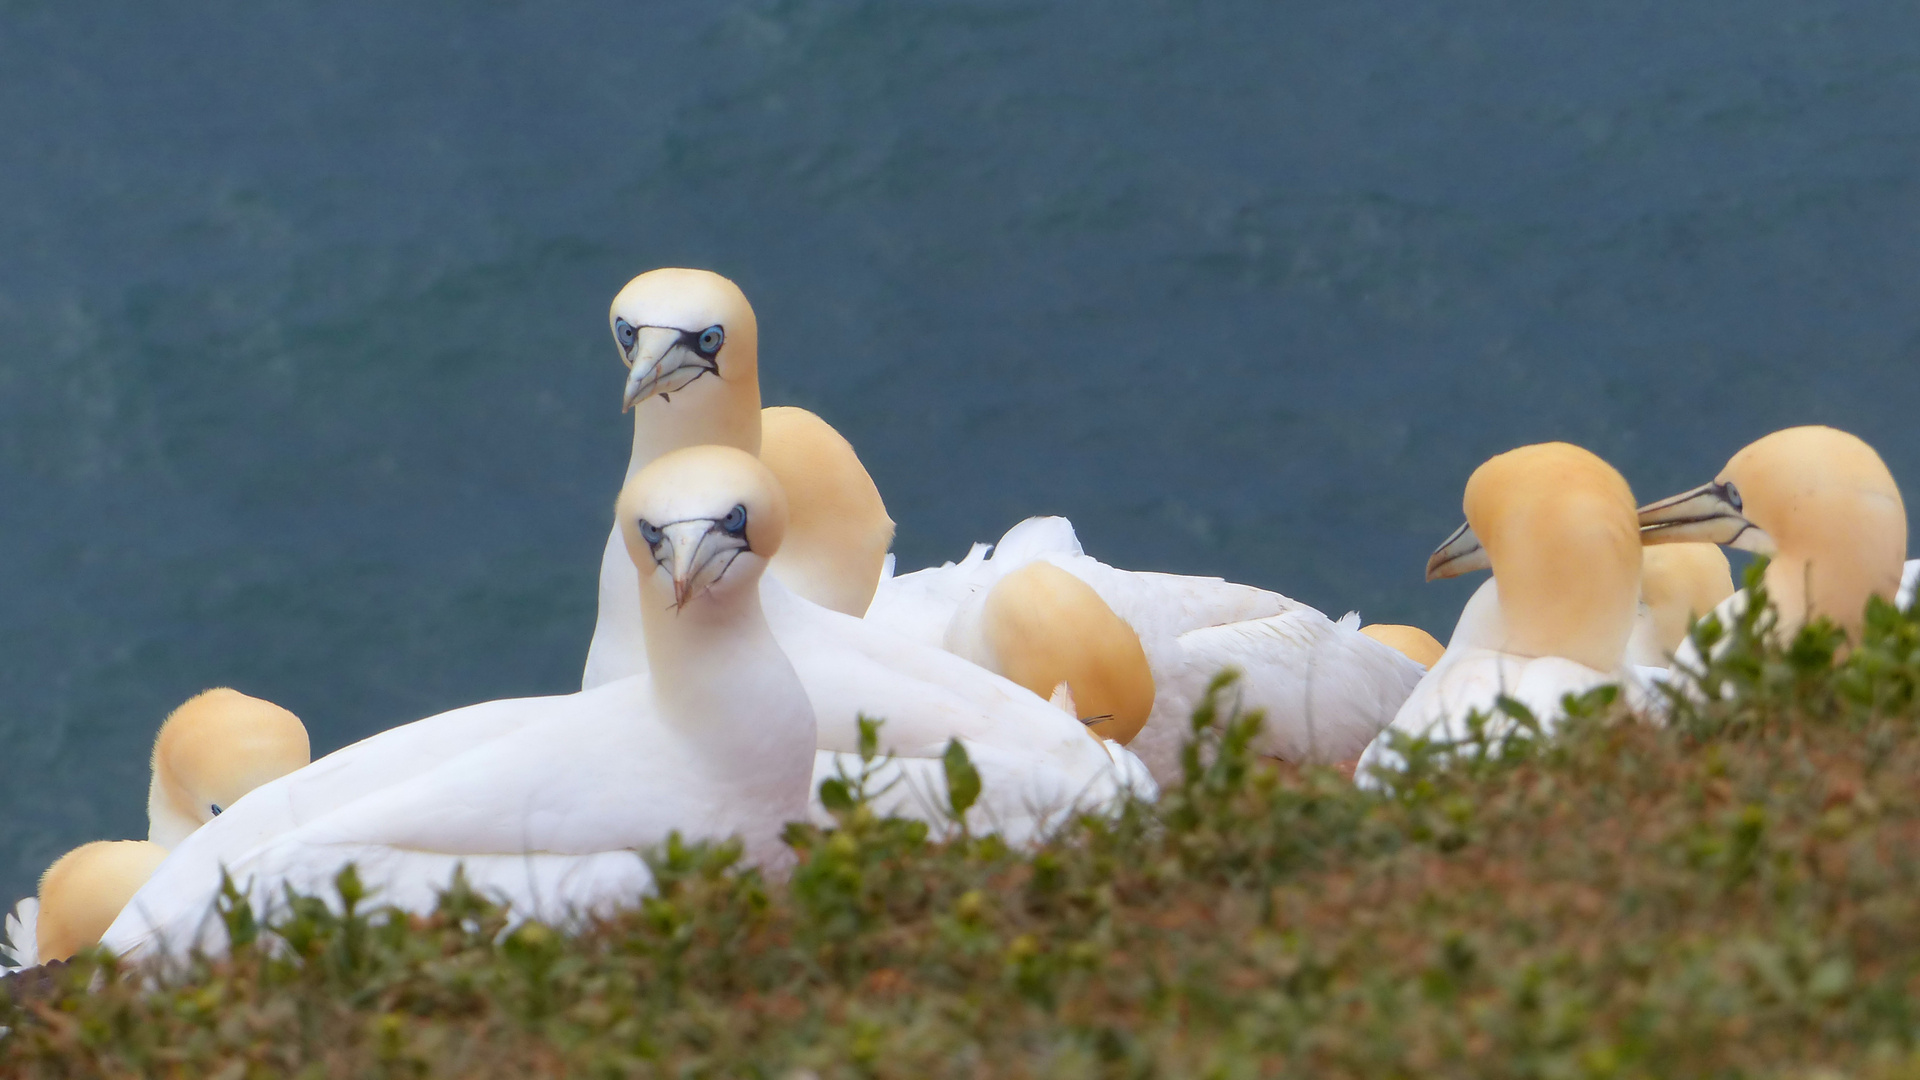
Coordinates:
306 387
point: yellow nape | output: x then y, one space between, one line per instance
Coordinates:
215 748
1680 583
1416 644
1043 627
83 891
839 531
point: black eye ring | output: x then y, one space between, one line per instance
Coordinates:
624 333
1732 494
650 532
710 341
735 522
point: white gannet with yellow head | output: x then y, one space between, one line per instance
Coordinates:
1557 527
1820 502
210 751
690 341
545 802
1326 687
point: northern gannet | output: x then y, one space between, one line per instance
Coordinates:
690 341
1326 688
545 802
1556 525
1821 503
216 747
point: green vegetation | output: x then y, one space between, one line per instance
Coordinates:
1734 894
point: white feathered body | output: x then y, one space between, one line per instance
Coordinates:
1036 762
1474 674
1326 689
543 801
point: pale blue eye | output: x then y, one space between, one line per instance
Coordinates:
735 522
649 532
710 340
624 333
216 809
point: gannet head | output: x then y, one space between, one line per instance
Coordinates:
1042 627
1680 583
838 537
1409 641
83 891
1557 527
701 523
677 329
1820 500
213 749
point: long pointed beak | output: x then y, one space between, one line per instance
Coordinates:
700 555
660 364
1704 515
1460 554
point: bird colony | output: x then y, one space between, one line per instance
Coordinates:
750 619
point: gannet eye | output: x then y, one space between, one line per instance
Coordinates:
216 809
623 332
710 341
650 533
735 522
1733 495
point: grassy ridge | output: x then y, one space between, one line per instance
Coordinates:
1732 895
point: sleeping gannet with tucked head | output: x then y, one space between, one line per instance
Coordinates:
691 345
1410 641
1678 584
545 801
210 751
1325 687
83 892
837 543
1820 502
1557 527
215 748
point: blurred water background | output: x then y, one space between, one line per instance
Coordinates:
306 388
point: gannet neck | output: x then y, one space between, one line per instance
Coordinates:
1563 539
1042 627
839 532
1680 583
212 750
723 412
85 889
1835 516
716 400
700 526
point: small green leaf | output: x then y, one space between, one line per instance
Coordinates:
835 796
963 780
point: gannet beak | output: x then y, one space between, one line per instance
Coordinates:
661 362
1710 514
698 553
1460 554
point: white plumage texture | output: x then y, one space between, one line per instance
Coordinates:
1326 689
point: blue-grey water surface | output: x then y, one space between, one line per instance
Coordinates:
306 388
